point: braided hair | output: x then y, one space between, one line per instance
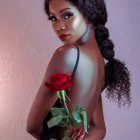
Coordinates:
116 73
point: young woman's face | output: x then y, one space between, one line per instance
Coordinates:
67 21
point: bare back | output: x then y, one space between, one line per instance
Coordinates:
89 80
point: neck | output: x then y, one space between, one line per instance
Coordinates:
88 38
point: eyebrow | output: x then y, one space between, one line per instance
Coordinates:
61 10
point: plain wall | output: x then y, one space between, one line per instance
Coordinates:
27 43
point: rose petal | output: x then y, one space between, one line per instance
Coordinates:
63 79
60 81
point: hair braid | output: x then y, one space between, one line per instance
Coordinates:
117 75
106 45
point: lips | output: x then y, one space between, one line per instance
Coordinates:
63 36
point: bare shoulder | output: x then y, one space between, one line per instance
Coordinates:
65 50
62 60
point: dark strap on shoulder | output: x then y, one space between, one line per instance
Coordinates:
75 67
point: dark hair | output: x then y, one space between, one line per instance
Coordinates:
117 75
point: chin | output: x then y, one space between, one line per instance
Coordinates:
68 42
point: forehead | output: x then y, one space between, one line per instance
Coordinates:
57 6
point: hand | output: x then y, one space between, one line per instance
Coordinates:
77 134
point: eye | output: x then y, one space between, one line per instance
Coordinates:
68 15
65 16
52 18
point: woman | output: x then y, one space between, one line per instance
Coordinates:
81 24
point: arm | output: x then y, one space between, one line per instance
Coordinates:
41 105
44 98
97 129
43 101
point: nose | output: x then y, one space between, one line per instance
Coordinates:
59 26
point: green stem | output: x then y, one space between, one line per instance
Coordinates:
63 93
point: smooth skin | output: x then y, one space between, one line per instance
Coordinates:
86 91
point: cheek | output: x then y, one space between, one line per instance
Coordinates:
79 26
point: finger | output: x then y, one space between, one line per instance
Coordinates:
82 134
76 134
81 137
72 130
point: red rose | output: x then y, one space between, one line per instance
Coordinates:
59 82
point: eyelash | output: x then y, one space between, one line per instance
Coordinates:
67 14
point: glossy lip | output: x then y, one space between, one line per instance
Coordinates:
63 37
